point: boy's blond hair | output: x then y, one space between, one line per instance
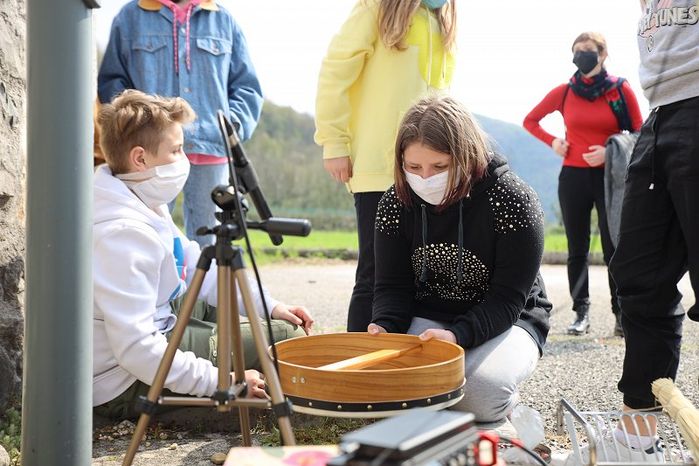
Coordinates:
133 119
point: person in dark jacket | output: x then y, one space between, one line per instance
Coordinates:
458 243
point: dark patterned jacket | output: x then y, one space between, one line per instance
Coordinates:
481 279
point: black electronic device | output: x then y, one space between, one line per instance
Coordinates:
420 437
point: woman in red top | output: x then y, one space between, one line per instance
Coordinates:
594 105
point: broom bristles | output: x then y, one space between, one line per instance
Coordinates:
681 410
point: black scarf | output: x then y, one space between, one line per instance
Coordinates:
591 88
604 85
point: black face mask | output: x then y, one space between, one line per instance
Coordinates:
585 61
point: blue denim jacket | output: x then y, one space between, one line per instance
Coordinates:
140 56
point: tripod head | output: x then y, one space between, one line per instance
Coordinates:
230 199
227 198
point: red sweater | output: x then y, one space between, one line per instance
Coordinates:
587 123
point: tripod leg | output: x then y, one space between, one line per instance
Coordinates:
229 332
165 364
270 372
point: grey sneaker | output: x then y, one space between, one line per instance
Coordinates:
581 324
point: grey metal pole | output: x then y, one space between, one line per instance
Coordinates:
57 392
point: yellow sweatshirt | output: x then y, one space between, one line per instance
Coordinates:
364 89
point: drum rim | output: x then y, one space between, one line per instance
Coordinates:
373 410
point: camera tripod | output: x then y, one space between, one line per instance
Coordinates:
231 271
229 393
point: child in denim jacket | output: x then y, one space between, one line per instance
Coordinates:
195 50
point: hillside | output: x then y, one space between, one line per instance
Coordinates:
531 159
291 173
293 180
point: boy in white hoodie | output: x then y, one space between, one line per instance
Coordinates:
143 263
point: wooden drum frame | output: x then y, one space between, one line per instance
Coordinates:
370 376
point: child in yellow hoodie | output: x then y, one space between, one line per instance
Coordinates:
388 54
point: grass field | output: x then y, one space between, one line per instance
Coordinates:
331 243
324 243
316 240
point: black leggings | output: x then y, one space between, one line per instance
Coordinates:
359 315
579 189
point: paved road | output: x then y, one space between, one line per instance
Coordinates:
583 370
326 288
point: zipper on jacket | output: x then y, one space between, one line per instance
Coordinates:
423 272
459 265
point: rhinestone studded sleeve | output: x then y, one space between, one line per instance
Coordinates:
515 205
388 213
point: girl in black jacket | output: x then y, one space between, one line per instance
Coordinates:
459 240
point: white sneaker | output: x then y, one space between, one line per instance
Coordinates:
611 450
503 428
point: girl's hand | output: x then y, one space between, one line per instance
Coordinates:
439 334
256 384
595 157
297 315
339 168
375 329
560 146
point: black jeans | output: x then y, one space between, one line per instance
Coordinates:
658 242
580 189
359 315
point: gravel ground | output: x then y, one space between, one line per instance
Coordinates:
583 370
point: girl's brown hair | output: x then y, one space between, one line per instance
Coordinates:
444 125
395 17
133 119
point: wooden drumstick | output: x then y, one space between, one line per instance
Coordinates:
369 359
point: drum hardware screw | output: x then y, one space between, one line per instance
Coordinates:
310 403
449 396
303 380
429 401
293 380
404 405
339 406
369 407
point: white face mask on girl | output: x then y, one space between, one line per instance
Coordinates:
432 190
158 185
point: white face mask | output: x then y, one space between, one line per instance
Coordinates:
158 185
432 190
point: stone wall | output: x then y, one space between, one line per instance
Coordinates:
12 176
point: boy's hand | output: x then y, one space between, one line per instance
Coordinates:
297 315
256 384
438 334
